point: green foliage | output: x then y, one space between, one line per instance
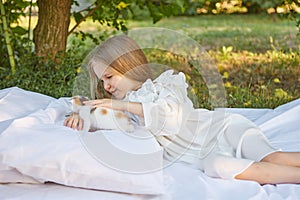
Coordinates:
51 79
293 14
159 9
14 9
237 6
7 38
256 6
114 12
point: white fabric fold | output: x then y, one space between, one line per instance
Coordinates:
181 180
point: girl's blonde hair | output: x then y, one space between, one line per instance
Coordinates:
122 54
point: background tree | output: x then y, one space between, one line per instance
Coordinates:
51 32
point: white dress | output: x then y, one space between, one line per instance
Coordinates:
220 144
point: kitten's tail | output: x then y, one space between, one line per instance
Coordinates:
84 113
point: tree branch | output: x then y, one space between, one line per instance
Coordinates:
83 19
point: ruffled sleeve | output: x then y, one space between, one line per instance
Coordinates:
172 83
164 102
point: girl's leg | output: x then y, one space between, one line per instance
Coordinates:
255 146
284 158
270 173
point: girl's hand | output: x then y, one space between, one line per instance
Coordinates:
132 107
107 103
74 122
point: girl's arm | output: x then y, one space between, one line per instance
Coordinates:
163 117
132 107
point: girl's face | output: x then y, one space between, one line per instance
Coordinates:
114 82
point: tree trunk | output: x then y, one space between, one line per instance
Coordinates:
51 32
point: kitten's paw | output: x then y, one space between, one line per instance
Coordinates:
127 127
124 122
130 128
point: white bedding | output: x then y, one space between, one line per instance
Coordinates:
180 181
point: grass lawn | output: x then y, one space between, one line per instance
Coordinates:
256 33
258 56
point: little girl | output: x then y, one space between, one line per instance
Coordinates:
222 145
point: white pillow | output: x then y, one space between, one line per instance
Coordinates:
16 102
39 146
11 175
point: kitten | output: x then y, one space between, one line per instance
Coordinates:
100 118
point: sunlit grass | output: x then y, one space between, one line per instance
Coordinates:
260 79
257 80
255 33
257 56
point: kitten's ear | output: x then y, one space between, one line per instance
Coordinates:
75 103
82 99
76 100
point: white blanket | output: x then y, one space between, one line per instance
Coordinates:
180 181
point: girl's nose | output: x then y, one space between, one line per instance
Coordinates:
106 85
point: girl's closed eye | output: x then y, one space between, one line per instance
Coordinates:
108 76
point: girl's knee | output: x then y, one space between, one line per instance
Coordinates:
274 157
225 167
